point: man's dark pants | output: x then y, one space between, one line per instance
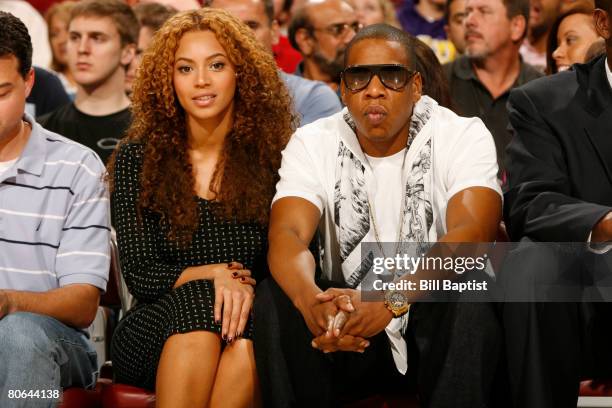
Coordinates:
453 357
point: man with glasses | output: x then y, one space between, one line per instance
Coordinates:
391 154
320 32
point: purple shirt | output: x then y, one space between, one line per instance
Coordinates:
415 24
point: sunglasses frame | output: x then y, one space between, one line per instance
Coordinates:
375 69
332 28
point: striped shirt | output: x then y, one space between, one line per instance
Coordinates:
54 216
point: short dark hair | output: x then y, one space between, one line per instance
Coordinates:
300 19
388 33
153 15
122 15
435 82
15 40
518 8
287 4
447 10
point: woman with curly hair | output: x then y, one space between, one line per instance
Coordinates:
191 190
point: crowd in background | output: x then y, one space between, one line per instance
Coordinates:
279 75
483 57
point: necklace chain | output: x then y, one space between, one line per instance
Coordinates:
402 215
375 227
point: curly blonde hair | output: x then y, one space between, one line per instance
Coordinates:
244 180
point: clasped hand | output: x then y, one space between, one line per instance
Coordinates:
234 296
340 321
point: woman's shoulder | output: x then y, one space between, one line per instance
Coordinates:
129 154
130 150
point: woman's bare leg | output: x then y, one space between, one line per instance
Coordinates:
236 384
187 369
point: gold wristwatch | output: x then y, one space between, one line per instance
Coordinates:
396 302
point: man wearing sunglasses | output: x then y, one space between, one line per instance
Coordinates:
320 31
392 154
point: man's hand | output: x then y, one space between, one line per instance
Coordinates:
329 343
319 316
5 304
368 318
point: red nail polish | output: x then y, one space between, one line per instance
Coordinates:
234 274
242 279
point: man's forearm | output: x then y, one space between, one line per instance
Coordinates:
74 305
292 266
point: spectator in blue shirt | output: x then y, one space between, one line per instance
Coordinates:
54 242
312 99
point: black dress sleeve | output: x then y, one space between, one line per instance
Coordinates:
147 277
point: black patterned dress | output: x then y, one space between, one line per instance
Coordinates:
151 264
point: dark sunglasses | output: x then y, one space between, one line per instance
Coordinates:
392 76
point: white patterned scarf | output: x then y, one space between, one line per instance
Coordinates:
351 211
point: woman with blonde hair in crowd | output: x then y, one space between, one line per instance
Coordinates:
571 36
191 190
374 12
57 18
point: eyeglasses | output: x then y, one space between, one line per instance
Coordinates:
340 29
392 76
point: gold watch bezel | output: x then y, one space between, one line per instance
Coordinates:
397 303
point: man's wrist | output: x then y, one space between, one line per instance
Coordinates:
306 298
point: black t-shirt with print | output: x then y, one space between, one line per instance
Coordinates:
100 133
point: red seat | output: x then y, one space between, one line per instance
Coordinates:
127 396
596 388
82 398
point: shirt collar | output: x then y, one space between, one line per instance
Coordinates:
608 73
32 159
463 69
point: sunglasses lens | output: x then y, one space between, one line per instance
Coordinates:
357 78
394 77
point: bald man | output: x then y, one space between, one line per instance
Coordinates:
320 31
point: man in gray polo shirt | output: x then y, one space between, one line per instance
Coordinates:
54 242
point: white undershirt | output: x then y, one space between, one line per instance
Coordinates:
5 165
387 193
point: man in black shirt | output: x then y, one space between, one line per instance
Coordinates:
47 94
103 36
480 81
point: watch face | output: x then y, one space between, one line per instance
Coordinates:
397 300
